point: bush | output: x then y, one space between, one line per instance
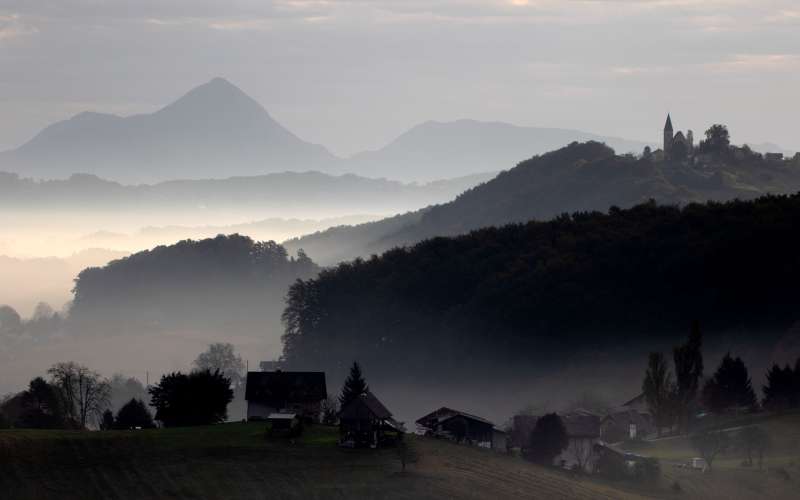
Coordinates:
548 439
199 398
134 414
647 470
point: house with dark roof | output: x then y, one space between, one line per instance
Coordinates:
462 427
365 421
583 431
625 423
273 392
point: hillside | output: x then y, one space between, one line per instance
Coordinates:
779 477
524 299
234 461
435 150
214 130
579 177
227 283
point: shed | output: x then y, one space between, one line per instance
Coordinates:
365 421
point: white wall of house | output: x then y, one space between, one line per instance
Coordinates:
257 410
580 451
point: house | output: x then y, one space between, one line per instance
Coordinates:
463 427
583 431
301 393
639 403
365 421
625 423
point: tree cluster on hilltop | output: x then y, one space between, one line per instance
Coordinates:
520 292
227 281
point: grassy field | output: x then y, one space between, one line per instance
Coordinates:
236 461
779 478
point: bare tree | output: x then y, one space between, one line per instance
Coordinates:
710 443
85 393
221 356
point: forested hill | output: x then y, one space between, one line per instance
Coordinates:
520 295
228 284
579 177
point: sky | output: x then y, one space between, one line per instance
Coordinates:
352 75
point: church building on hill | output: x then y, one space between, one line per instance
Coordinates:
678 146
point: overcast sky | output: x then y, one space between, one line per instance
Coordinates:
351 75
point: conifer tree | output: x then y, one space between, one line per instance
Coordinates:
730 386
688 372
354 386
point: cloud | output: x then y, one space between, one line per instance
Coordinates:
755 63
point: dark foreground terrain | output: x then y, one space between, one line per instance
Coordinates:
237 461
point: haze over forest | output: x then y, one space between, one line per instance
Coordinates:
433 188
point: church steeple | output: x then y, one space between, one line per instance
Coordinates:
668 137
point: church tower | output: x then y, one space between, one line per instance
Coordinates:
668 136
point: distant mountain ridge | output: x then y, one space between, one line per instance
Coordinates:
218 131
285 194
215 130
446 149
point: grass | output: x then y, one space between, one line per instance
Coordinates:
238 461
779 478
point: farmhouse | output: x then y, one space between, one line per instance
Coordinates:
301 393
365 421
625 423
583 431
462 427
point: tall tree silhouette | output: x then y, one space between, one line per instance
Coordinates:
782 390
657 388
688 371
354 385
548 439
730 386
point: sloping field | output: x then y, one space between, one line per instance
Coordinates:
779 477
236 461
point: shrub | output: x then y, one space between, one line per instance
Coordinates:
134 414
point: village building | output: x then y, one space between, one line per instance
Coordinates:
623 424
462 427
583 433
275 392
365 421
677 146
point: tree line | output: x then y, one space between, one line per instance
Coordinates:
510 297
75 397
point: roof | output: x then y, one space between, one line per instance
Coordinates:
668 125
282 416
365 406
576 424
286 386
638 400
581 425
445 413
626 416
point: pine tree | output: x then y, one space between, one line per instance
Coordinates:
730 386
688 372
778 392
354 386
